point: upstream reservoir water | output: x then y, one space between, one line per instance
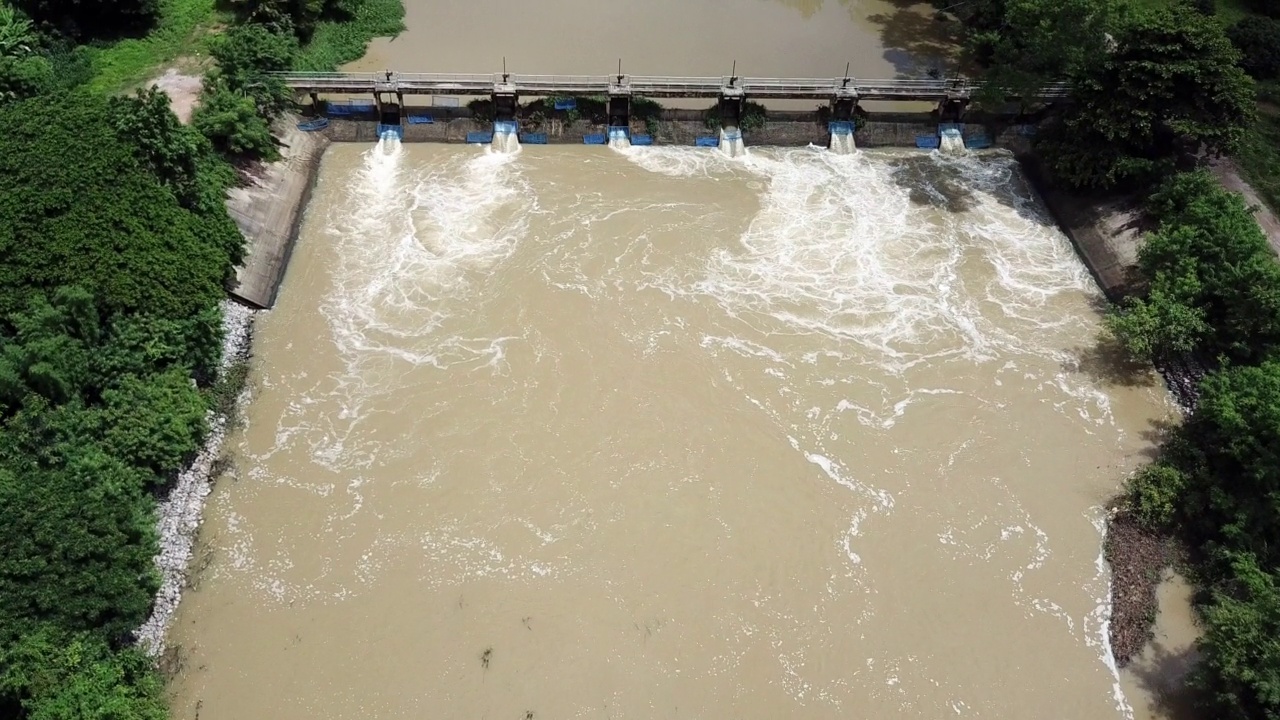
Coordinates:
657 433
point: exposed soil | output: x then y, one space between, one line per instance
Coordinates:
1137 558
183 91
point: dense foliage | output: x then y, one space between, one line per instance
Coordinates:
112 264
115 246
1155 86
98 19
1258 40
1169 87
1215 293
1024 44
1214 282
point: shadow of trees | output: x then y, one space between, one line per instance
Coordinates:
916 38
946 184
1162 675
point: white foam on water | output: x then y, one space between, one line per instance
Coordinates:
843 144
951 143
731 144
1098 624
505 142
618 139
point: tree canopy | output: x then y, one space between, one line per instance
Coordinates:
98 219
1168 86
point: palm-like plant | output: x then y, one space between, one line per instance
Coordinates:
17 35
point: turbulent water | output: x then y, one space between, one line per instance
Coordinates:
579 432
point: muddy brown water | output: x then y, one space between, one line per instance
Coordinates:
789 38
585 433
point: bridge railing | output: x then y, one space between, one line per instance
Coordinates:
667 83
656 85
447 79
562 84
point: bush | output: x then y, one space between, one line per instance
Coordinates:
1238 674
1214 283
100 19
58 676
22 78
1258 40
247 55
98 219
1269 8
1155 494
1171 84
232 123
169 149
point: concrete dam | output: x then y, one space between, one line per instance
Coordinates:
620 98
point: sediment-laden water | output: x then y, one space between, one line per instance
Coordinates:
588 433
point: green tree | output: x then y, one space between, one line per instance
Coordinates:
23 77
1036 42
168 148
247 55
49 352
1214 284
233 125
17 36
1231 461
1258 40
98 219
59 676
1239 669
1165 323
78 539
100 19
153 422
1169 86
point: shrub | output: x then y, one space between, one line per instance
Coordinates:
1155 494
232 123
1258 40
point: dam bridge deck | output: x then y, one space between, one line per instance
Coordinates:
647 86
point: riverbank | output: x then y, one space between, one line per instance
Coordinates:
1107 233
180 512
268 211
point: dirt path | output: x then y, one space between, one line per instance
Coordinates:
183 91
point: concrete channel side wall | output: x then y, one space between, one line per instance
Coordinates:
269 212
1106 233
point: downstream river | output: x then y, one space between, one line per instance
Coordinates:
657 433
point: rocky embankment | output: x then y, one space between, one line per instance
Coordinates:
181 511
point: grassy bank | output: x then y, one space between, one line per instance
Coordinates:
336 43
182 30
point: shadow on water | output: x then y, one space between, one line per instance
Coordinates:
1108 363
1162 674
915 40
945 185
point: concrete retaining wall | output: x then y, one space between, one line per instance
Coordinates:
269 210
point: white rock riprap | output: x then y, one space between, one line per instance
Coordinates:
180 514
